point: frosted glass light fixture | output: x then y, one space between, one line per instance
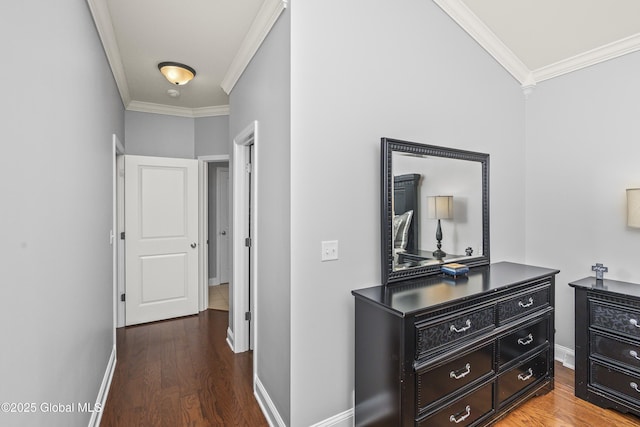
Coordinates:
633 207
176 73
439 207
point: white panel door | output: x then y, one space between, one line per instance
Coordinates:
161 220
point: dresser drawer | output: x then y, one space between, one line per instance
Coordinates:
463 412
615 318
431 336
616 382
522 376
621 351
523 304
436 383
523 341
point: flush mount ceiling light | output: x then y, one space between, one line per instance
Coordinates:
176 73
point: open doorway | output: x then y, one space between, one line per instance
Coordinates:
218 258
213 203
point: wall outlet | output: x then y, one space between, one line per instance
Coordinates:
329 250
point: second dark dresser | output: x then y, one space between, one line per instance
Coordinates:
608 343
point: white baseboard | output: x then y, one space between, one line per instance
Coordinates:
230 339
566 356
213 281
343 419
103 393
266 404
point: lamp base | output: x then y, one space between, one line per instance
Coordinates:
439 254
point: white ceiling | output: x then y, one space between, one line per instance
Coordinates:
543 32
537 40
204 34
533 39
217 38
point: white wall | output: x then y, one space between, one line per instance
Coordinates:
263 94
56 298
401 69
582 153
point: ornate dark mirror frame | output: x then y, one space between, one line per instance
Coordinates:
389 146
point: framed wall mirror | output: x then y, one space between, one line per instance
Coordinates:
435 209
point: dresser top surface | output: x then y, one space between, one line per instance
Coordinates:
606 285
431 291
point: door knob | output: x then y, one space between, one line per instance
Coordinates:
193 245
224 233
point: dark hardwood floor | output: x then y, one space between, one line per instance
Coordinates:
181 372
561 408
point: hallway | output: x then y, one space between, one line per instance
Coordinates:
181 372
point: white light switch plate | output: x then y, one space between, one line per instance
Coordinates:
329 250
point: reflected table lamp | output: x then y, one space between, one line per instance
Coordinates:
439 207
633 207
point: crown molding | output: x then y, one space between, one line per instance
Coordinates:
469 22
591 57
102 20
168 110
260 28
477 29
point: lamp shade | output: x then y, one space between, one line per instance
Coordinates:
440 207
633 207
176 73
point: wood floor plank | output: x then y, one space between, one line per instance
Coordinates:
561 408
181 372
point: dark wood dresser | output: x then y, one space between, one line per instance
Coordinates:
441 351
608 343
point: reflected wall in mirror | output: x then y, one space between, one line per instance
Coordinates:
435 208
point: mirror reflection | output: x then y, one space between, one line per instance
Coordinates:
435 209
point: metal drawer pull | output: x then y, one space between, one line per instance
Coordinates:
634 353
526 340
529 304
635 387
634 322
467 368
522 377
454 329
453 418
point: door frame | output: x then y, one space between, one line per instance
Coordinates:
203 163
242 335
116 242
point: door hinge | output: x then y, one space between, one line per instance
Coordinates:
122 297
122 236
248 168
247 316
247 242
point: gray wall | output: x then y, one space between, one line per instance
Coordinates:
211 135
582 153
159 135
263 94
162 135
56 307
408 72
